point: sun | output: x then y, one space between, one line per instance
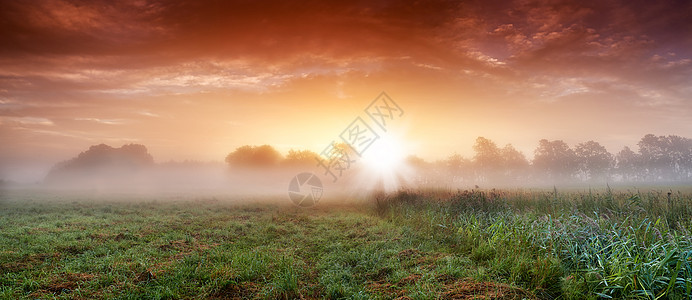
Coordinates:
383 164
384 156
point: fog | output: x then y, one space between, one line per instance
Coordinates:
175 181
261 172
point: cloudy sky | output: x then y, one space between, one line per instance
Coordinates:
195 80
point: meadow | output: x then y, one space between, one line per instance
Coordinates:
413 244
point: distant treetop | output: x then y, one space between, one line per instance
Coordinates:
101 159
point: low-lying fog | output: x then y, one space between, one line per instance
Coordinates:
261 171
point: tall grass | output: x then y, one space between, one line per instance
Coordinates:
570 245
418 245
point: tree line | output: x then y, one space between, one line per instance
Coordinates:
101 160
657 159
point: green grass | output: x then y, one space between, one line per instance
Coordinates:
564 245
412 244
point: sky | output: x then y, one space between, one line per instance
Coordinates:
193 80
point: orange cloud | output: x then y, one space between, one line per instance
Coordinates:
198 79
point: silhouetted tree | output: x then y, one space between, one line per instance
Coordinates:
487 160
254 157
555 159
627 164
654 158
300 158
338 161
665 157
593 160
416 162
423 171
680 152
457 167
101 161
514 163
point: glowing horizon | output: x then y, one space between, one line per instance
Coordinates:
194 81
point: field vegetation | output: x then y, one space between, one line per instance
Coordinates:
423 244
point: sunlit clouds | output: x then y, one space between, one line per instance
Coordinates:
195 80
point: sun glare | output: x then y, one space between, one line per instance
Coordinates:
384 166
384 156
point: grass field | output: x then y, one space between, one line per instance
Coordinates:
409 245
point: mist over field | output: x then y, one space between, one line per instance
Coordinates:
438 149
659 160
